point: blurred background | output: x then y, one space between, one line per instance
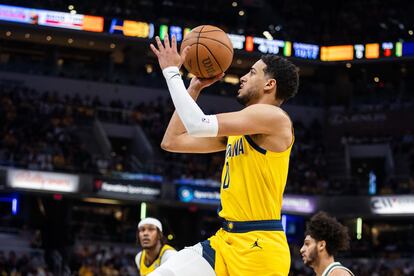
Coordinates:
83 107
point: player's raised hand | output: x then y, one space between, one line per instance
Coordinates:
167 54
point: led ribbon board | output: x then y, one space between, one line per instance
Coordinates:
52 18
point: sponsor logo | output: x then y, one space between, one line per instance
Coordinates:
256 244
392 205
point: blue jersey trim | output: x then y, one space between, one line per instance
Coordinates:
256 225
209 253
254 145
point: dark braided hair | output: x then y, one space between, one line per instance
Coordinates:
323 227
285 73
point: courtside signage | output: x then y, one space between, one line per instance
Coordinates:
203 194
392 205
127 189
198 194
298 204
42 181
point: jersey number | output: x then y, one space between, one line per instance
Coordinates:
226 181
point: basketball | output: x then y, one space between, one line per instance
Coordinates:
211 51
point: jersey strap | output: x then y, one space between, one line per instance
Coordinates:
336 265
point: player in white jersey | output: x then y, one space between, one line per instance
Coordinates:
325 236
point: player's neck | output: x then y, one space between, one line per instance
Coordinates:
323 264
267 100
152 253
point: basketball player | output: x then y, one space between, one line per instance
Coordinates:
325 236
257 142
154 249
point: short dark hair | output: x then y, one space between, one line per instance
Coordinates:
285 73
323 227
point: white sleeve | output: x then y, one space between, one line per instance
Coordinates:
166 255
195 121
138 260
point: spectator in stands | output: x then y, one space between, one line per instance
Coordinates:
87 268
58 148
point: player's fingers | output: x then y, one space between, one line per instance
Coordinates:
185 52
219 77
214 79
166 41
154 50
174 43
159 43
210 81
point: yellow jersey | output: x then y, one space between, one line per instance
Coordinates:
140 259
253 181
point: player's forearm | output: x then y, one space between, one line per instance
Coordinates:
175 127
195 122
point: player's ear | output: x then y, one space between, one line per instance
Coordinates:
270 85
321 245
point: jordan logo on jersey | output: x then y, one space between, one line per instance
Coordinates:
235 149
256 244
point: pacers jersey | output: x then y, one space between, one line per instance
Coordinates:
253 181
145 270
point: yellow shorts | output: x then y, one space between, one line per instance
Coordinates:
251 252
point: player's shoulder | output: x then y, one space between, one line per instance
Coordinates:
268 109
265 106
168 252
167 247
271 115
138 259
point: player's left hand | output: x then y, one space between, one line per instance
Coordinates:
167 54
199 84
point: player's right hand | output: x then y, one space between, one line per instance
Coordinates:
167 53
198 84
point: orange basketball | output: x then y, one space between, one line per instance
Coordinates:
211 51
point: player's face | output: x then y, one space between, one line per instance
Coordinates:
148 236
309 251
251 84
